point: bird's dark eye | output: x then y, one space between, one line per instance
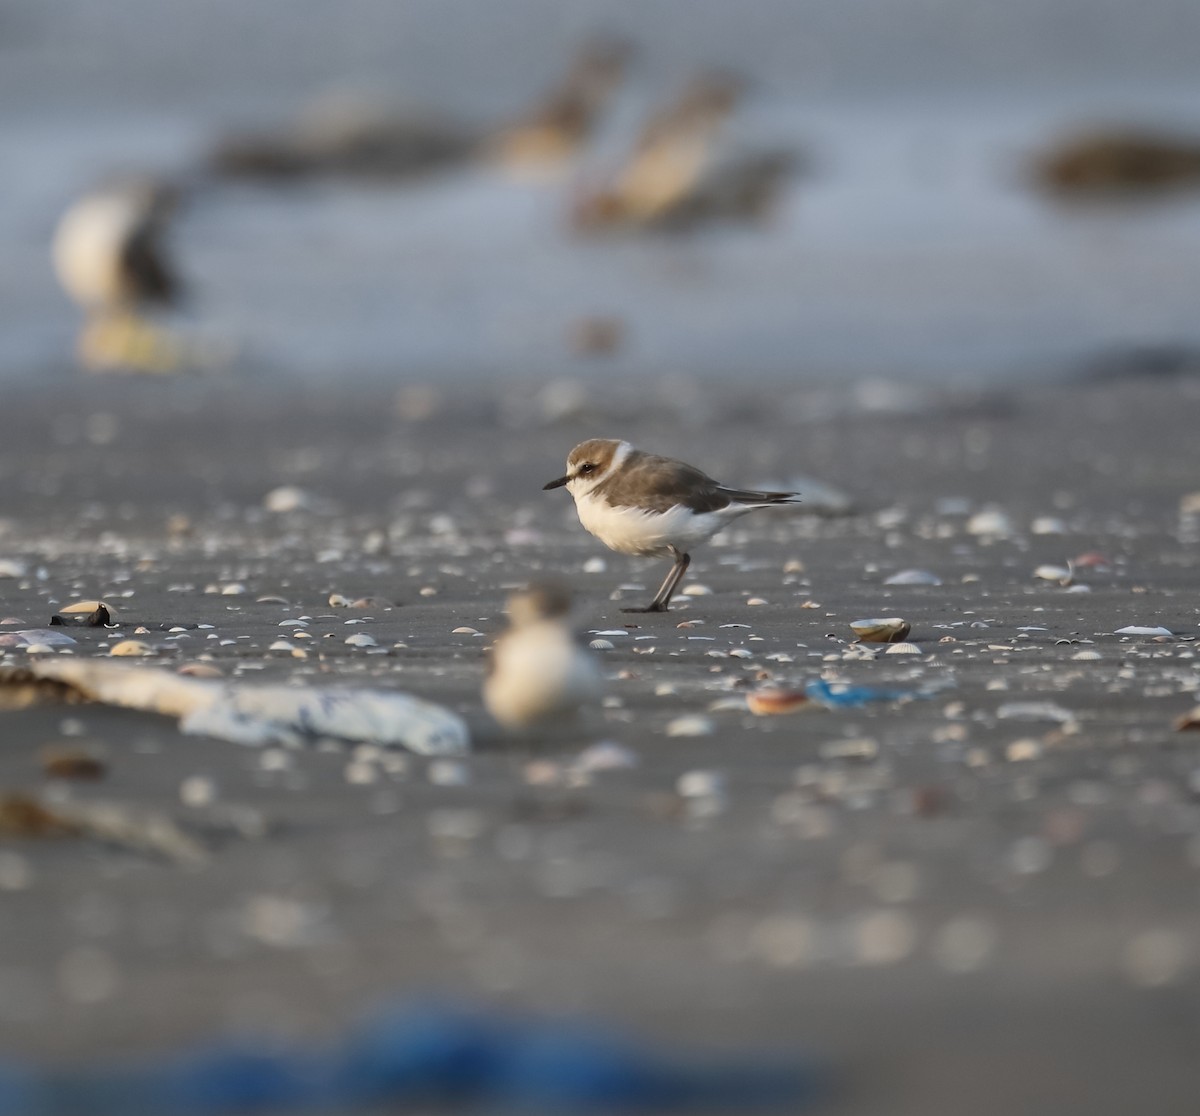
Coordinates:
587 467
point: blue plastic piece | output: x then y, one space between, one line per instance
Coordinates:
427 1055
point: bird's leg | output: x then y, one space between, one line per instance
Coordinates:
662 599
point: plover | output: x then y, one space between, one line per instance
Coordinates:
557 127
539 670
673 154
109 255
639 503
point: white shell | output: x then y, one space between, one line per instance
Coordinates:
131 647
601 644
903 649
1063 575
692 725
1136 630
913 577
360 639
990 522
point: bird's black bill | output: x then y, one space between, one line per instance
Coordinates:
555 483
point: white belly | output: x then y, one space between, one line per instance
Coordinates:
632 531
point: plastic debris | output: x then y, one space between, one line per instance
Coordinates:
417 1059
248 714
840 696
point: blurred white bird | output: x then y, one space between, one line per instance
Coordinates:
110 258
539 669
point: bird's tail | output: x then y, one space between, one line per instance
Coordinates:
760 499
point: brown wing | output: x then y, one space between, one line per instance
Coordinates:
656 483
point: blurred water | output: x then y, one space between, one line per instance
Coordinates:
911 248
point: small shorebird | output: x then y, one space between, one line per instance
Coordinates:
556 128
676 175
639 503
539 670
109 255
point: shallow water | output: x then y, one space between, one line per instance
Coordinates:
910 247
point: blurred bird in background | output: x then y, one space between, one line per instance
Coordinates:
558 126
681 171
110 256
539 670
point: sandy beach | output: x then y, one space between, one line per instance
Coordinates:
983 899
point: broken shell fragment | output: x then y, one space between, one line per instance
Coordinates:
766 703
889 629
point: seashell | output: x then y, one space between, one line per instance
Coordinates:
84 607
361 639
991 522
609 632
10 567
336 600
1061 575
1092 560
694 724
601 645
1035 711
606 756
286 498
1136 630
1189 721
764 703
889 629
465 631
595 565
369 602
131 647
294 623
696 590
700 784
1086 656
1048 525
272 599
854 747
281 645
690 624
903 649
200 670
741 653
757 601
1024 749
913 577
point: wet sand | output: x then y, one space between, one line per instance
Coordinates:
962 905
